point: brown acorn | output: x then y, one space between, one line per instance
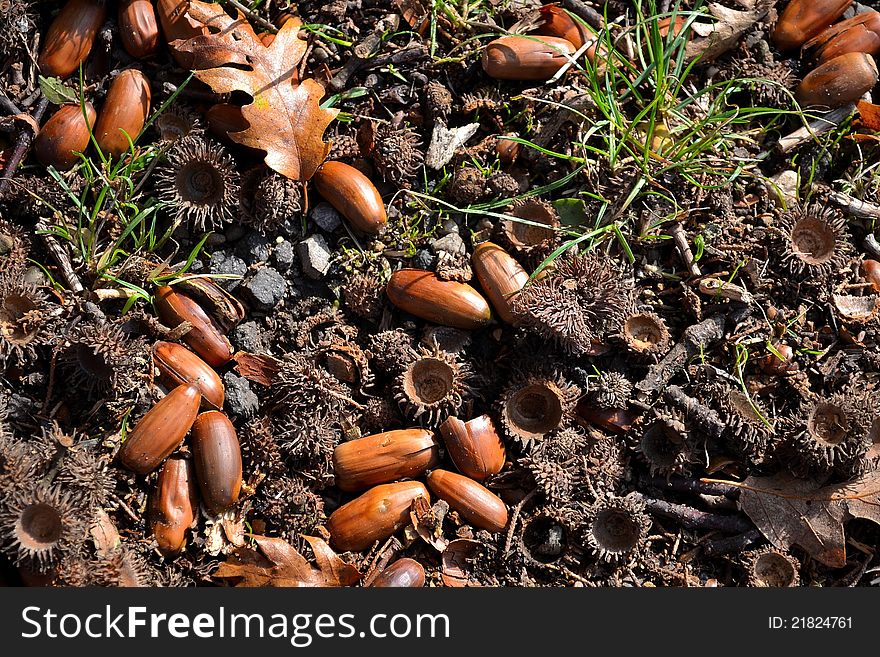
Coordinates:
804 19
476 503
474 446
613 420
70 37
861 33
138 28
838 81
178 365
507 150
871 270
161 430
403 573
173 505
520 57
123 113
64 134
500 276
448 303
374 516
560 23
205 337
224 308
352 194
217 457
384 457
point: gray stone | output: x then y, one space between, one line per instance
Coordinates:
234 232
214 240
283 255
240 399
447 227
314 254
451 243
264 289
226 262
326 217
783 188
247 336
253 248
423 259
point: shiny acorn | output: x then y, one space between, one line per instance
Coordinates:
476 503
871 270
178 365
223 308
403 573
70 37
138 28
520 57
206 338
500 276
474 446
804 19
861 33
161 430
374 516
63 135
384 457
217 458
352 194
838 81
173 505
123 113
423 294
559 23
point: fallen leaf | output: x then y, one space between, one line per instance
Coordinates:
258 368
869 115
445 141
285 117
790 511
718 37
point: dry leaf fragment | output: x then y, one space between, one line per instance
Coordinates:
445 141
790 511
428 521
258 368
285 117
720 36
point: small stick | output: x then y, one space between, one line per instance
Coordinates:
684 249
60 256
586 12
696 486
695 412
692 518
854 206
22 144
513 519
252 17
871 245
8 106
731 544
816 127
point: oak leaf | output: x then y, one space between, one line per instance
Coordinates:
285 116
280 564
790 511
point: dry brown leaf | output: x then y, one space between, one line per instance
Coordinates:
258 368
790 511
285 116
280 564
717 37
428 521
869 115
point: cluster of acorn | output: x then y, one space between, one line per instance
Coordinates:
843 53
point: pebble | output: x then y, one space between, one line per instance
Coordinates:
423 259
326 217
247 336
264 289
783 187
283 256
447 227
254 248
451 243
226 262
314 254
240 399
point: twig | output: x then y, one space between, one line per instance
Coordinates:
731 544
854 206
362 52
60 256
513 519
586 12
8 106
684 249
22 144
871 245
696 486
696 413
816 127
692 518
252 17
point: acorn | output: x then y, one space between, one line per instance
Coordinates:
178 365
500 276
224 308
217 456
384 457
476 503
861 33
63 135
374 516
613 420
448 303
474 446
560 23
804 19
352 194
403 573
161 430
838 81
138 28
224 118
124 112
173 505
205 337
70 37
519 57
871 270
507 150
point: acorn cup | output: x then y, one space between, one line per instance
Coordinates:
448 303
123 113
403 573
374 516
476 503
178 365
474 446
352 194
384 457
861 33
500 276
138 28
161 430
173 505
70 37
65 134
838 81
804 19
205 337
520 57
217 457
